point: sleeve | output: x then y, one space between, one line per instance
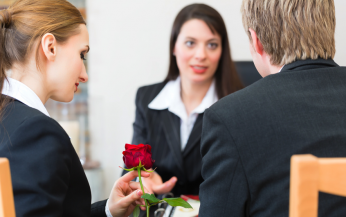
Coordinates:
99 209
40 167
224 191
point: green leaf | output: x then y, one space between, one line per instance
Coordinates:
136 211
150 197
177 202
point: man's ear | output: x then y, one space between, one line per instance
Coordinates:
256 43
49 46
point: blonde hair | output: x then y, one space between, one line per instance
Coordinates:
26 21
292 30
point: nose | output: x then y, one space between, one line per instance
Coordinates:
83 77
200 53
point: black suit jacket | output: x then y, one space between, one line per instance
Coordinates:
47 176
161 130
249 137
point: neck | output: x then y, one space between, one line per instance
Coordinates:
32 78
274 69
271 69
192 94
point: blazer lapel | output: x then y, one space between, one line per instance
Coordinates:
194 136
171 126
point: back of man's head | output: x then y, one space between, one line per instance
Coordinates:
292 30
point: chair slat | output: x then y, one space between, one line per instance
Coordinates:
332 176
6 192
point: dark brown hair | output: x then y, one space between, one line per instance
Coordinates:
227 79
27 21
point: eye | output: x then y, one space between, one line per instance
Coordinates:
189 43
213 46
82 56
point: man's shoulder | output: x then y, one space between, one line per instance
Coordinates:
243 98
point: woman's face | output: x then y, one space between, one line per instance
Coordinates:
69 69
198 51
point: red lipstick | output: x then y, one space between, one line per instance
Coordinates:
77 84
199 69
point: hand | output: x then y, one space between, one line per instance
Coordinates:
154 184
126 194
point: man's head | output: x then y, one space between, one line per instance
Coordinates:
283 31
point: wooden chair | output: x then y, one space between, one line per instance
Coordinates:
6 194
309 175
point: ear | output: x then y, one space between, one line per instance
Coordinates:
256 43
49 46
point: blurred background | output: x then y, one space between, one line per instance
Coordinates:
129 43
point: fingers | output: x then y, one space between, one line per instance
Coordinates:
133 174
165 187
131 198
136 185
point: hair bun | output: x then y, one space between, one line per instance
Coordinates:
5 18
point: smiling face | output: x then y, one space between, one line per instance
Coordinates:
198 51
68 69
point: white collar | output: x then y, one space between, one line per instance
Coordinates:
23 93
281 68
169 98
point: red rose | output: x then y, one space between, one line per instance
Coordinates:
135 153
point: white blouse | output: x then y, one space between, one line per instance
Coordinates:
170 98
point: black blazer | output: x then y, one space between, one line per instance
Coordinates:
161 130
47 176
249 137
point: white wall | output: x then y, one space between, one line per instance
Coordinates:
129 48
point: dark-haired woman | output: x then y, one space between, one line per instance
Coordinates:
169 115
43 43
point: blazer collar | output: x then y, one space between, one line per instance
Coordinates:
24 94
170 98
195 135
309 64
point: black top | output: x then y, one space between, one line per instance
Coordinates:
47 176
161 130
249 137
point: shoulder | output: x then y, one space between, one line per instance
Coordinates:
242 99
22 124
146 94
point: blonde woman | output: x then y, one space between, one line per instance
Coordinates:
43 43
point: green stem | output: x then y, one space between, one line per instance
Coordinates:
140 182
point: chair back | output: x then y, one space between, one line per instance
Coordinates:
6 193
309 175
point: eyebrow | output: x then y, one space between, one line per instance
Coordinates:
212 39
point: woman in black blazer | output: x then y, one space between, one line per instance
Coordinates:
43 43
169 115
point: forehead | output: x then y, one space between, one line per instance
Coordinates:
198 29
82 37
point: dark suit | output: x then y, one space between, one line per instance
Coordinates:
47 176
161 130
249 137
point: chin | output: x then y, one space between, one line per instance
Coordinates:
198 79
65 98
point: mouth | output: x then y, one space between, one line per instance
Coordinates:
199 69
76 84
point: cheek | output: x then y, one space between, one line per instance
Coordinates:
183 57
214 58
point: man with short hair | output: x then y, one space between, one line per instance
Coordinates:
299 107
